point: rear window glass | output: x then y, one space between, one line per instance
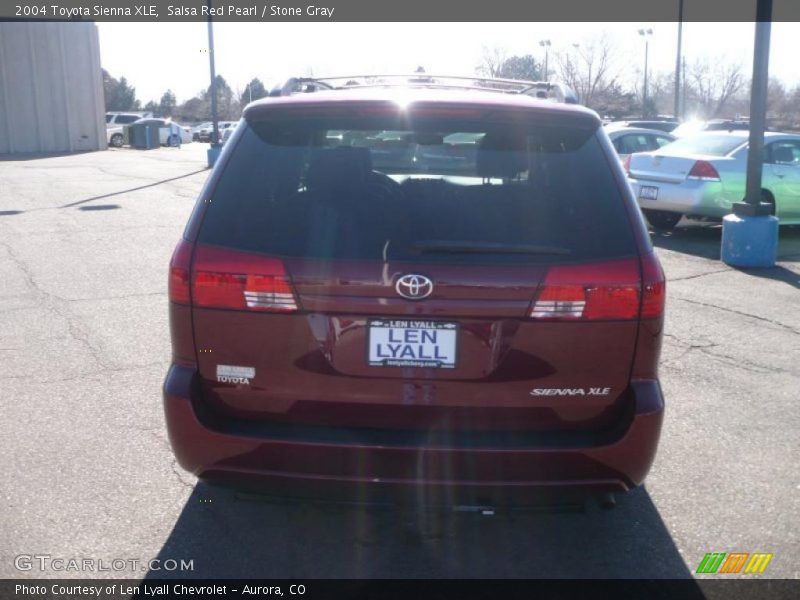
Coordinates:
711 145
418 191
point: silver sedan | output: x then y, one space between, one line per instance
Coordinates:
629 140
704 174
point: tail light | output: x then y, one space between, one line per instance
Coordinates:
180 313
626 164
704 171
654 287
179 273
240 281
607 291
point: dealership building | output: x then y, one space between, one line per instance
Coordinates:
51 88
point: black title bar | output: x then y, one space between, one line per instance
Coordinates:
398 10
388 589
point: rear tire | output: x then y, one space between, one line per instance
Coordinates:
116 140
662 220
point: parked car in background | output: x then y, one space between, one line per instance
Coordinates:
115 136
704 174
204 134
473 332
115 122
665 125
186 133
692 127
198 128
390 147
226 135
454 153
629 140
125 118
170 133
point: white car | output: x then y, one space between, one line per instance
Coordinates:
125 118
629 140
115 122
703 175
227 133
169 133
186 133
202 127
204 132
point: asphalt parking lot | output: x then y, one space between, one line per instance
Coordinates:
87 470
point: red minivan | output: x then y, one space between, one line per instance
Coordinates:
424 292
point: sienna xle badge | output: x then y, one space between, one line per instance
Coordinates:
416 289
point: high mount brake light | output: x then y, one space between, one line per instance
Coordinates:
240 281
606 291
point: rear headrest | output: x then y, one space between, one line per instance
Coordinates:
502 156
344 166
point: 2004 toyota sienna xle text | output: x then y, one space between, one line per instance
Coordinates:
352 320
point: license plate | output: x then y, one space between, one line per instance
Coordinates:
648 192
412 343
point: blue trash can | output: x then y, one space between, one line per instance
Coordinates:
749 241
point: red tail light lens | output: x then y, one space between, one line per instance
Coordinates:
179 273
240 281
654 287
626 164
704 171
599 292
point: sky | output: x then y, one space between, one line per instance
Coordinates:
155 57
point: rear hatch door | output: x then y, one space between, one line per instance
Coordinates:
500 297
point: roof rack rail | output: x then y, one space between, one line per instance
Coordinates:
547 90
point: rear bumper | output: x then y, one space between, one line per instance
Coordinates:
687 197
290 461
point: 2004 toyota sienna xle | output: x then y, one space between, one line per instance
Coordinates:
388 292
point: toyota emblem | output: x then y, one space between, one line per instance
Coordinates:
414 287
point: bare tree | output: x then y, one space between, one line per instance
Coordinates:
660 91
492 61
589 68
521 67
793 108
713 84
777 100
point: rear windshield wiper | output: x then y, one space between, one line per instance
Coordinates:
455 247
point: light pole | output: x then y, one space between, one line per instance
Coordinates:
753 202
546 45
214 149
750 234
645 33
678 62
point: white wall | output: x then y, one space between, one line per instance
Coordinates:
51 88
